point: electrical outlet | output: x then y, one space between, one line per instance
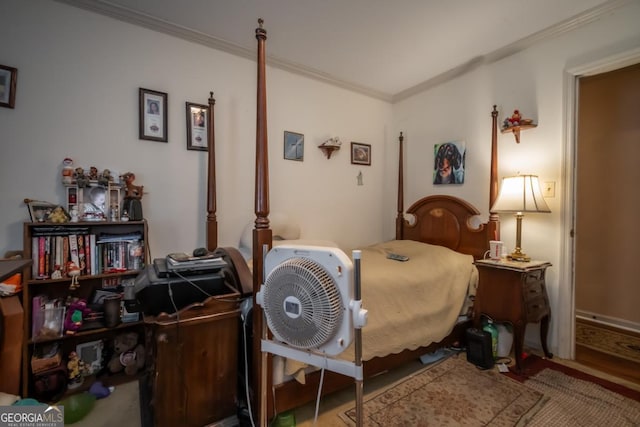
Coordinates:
549 189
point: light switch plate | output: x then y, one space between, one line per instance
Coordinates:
549 189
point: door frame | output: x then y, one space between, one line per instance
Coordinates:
566 297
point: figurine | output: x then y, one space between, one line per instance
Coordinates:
93 173
514 120
73 271
57 272
74 214
133 195
76 368
132 191
67 171
105 178
332 142
81 179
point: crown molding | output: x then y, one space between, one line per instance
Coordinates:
131 16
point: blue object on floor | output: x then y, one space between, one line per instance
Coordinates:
99 390
428 358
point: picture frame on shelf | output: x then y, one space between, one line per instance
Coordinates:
95 200
360 154
8 83
39 211
293 146
91 353
153 115
197 126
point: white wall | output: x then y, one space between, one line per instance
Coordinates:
531 81
77 96
78 81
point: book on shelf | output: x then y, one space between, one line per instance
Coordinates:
92 253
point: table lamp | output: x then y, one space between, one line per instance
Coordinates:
519 194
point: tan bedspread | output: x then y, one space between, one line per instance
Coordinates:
413 303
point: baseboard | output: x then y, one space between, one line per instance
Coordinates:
608 320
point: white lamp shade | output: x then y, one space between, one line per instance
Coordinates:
520 193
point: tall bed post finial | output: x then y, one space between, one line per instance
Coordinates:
262 235
400 213
212 221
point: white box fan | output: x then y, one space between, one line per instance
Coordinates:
311 303
307 297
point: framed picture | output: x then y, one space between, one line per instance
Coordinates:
153 115
91 354
360 154
197 126
448 165
39 211
293 146
95 203
8 78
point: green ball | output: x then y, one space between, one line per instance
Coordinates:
77 406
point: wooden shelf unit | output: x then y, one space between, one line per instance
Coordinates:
59 288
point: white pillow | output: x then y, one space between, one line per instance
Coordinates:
282 228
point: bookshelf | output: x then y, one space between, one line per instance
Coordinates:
108 255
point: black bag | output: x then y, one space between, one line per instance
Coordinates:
479 348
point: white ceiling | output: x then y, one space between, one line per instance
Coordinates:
383 48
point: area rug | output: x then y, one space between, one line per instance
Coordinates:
452 392
608 341
533 365
577 402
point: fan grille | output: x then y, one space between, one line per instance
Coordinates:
318 310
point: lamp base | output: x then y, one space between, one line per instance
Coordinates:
518 256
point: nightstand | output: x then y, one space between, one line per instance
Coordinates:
514 292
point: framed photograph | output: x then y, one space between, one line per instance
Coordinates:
40 211
91 354
95 203
360 154
153 115
293 146
448 165
197 126
8 78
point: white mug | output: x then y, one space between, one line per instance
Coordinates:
495 249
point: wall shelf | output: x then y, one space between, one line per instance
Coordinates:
328 149
516 130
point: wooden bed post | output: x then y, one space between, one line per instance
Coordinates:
494 219
400 214
262 232
212 221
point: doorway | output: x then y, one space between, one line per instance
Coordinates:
607 322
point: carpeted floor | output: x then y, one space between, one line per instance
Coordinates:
576 402
452 392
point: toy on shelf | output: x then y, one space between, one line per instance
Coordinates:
132 196
128 354
76 368
515 123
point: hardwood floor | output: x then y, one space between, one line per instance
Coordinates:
605 355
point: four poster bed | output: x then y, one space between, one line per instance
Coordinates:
440 220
